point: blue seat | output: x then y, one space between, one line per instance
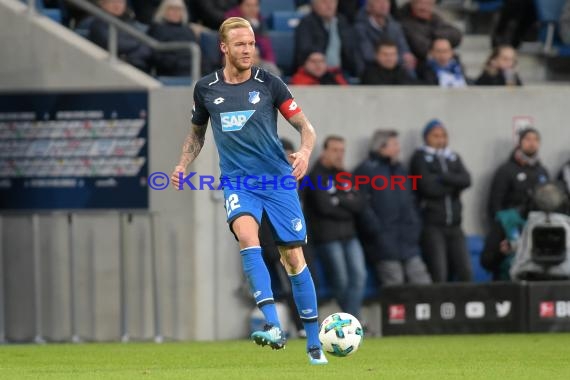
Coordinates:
267 7
283 43
51 13
548 13
488 6
210 46
285 20
475 244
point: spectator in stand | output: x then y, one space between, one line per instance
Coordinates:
171 24
129 49
315 71
564 23
350 9
374 23
331 217
422 25
386 69
265 65
500 68
249 9
145 10
323 30
512 188
516 20
442 67
211 13
390 226
72 15
444 178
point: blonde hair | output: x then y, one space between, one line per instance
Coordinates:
232 23
161 11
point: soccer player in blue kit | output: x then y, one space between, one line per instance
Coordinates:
241 101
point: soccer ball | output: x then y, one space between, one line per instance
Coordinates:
341 334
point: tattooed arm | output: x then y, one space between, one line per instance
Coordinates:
301 158
193 144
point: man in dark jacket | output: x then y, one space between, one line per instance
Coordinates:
324 30
512 188
422 25
331 216
374 23
390 225
129 49
386 70
211 13
443 179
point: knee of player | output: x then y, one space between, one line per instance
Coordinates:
293 260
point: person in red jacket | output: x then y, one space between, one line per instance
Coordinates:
249 9
315 71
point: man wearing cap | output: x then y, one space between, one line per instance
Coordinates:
512 188
444 177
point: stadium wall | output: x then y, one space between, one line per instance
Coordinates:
198 262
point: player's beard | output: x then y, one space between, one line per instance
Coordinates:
239 64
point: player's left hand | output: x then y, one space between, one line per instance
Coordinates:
300 163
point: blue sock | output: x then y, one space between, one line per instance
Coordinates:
306 300
259 283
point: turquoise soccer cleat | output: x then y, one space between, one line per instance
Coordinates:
271 335
316 356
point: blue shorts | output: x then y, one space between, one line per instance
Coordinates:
282 207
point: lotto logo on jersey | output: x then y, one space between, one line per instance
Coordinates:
235 121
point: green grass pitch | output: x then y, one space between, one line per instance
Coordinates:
536 356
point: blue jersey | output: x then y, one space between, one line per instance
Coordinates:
244 122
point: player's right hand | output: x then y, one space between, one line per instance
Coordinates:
175 177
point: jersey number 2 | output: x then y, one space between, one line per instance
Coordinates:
232 203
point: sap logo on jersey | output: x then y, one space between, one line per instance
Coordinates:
235 121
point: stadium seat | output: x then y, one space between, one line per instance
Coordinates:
475 244
283 43
267 7
285 20
488 6
52 13
210 47
548 12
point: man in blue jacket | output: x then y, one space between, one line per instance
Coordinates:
390 226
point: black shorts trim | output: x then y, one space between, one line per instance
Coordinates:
233 218
295 243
